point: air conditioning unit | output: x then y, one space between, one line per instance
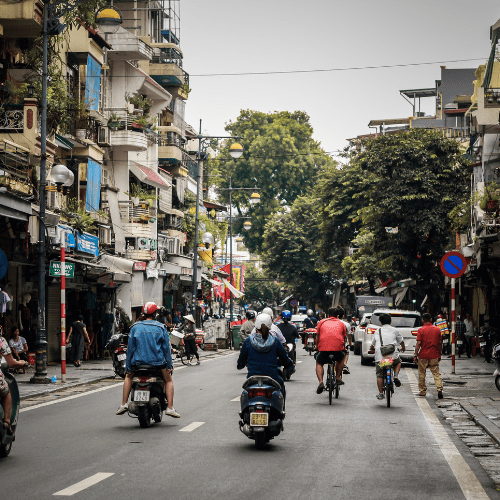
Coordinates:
103 136
105 235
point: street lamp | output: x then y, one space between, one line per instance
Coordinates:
208 239
247 225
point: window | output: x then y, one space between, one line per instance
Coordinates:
399 320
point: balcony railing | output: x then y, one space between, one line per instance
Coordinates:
12 118
167 56
190 164
136 213
170 139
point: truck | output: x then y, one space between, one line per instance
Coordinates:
368 303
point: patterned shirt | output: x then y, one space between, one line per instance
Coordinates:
4 348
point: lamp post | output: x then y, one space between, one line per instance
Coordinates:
204 142
52 12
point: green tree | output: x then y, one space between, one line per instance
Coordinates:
280 157
259 286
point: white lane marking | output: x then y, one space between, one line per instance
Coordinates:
86 483
48 403
236 399
191 427
470 485
299 361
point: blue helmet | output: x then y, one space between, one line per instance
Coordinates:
286 315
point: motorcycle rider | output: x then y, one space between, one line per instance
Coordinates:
275 331
247 326
260 352
5 396
148 344
309 322
289 331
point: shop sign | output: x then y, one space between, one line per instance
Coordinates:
140 266
187 271
55 269
87 243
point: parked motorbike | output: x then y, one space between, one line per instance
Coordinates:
461 342
6 440
262 409
310 338
147 398
446 344
287 372
488 338
496 357
117 346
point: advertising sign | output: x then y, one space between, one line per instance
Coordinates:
87 243
140 266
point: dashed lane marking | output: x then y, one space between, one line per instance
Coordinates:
236 399
83 485
470 485
191 427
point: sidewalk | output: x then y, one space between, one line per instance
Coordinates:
473 387
90 371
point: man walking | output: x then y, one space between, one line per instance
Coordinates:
460 329
428 355
248 326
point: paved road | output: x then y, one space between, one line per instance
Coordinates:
356 448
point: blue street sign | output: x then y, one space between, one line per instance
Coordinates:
453 264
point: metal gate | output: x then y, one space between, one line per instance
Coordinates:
53 321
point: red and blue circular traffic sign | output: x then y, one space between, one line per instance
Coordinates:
453 264
293 303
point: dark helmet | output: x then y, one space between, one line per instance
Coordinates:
251 314
286 315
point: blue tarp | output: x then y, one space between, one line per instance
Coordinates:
93 186
93 84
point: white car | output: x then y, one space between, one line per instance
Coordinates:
358 332
407 322
298 320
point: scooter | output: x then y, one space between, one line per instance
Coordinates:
287 372
262 409
310 337
147 397
6 440
117 346
496 358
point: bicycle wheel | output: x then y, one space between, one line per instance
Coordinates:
387 393
331 382
337 389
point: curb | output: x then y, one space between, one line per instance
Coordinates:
491 429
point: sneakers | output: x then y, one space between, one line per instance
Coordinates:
198 362
397 382
321 388
380 396
421 394
440 395
340 381
122 409
172 413
345 370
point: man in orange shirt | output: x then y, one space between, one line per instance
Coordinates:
428 354
330 339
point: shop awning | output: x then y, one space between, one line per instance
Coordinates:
149 176
118 264
215 283
85 263
63 143
236 293
114 210
400 296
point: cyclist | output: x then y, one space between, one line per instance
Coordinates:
330 339
289 331
389 336
348 343
148 344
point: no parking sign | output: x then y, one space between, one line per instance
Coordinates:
293 303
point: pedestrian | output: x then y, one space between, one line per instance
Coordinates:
248 325
470 325
190 339
428 355
460 329
79 331
18 345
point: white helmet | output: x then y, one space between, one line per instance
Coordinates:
310 312
263 319
268 311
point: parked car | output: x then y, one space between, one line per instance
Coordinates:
358 332
407 322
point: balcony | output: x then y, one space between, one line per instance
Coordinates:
488 106
21 19
169 146
15 171
166 66
127 47
12 118
127 134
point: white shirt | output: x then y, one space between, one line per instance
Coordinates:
469 326
389 336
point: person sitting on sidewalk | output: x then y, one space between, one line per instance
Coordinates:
148 344
428 354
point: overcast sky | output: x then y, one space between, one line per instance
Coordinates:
235 36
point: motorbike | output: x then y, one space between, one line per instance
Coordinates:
287 372
488 338
6 440
446 344
461 342
496 358
147 397
310 338
262 409
117 346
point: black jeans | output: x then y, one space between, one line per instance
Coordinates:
191 348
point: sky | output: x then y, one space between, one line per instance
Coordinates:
237 36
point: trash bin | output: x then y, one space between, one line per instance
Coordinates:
235 330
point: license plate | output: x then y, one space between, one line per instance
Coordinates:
259 419
121 357
460 342
482 344
141 396
310 341
446 341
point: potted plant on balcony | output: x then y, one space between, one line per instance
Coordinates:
114 122
490 197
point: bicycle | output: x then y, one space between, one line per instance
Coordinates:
388 380
331 379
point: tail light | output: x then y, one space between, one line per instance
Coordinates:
371 331
414 332
260 393
362 327
144 380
